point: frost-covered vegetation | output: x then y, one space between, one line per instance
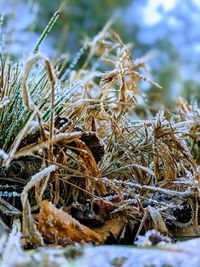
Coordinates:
85 158
162 27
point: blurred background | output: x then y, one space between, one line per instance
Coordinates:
168 29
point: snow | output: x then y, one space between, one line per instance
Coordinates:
181 254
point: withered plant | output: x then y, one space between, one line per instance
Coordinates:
74 140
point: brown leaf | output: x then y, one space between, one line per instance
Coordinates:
96 146
58 227
90 164
113 226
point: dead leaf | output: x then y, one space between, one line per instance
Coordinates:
113 226
58 227
90 164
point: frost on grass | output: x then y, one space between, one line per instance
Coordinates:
79 139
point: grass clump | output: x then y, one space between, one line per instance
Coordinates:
79 140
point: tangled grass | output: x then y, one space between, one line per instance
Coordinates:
79 139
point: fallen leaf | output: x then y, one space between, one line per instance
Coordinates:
58 227
113 226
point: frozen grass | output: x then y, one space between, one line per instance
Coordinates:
70 136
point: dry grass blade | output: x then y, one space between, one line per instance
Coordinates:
169 169
29 228
62 137
158 220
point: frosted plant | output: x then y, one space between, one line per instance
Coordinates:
11 250
152 238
